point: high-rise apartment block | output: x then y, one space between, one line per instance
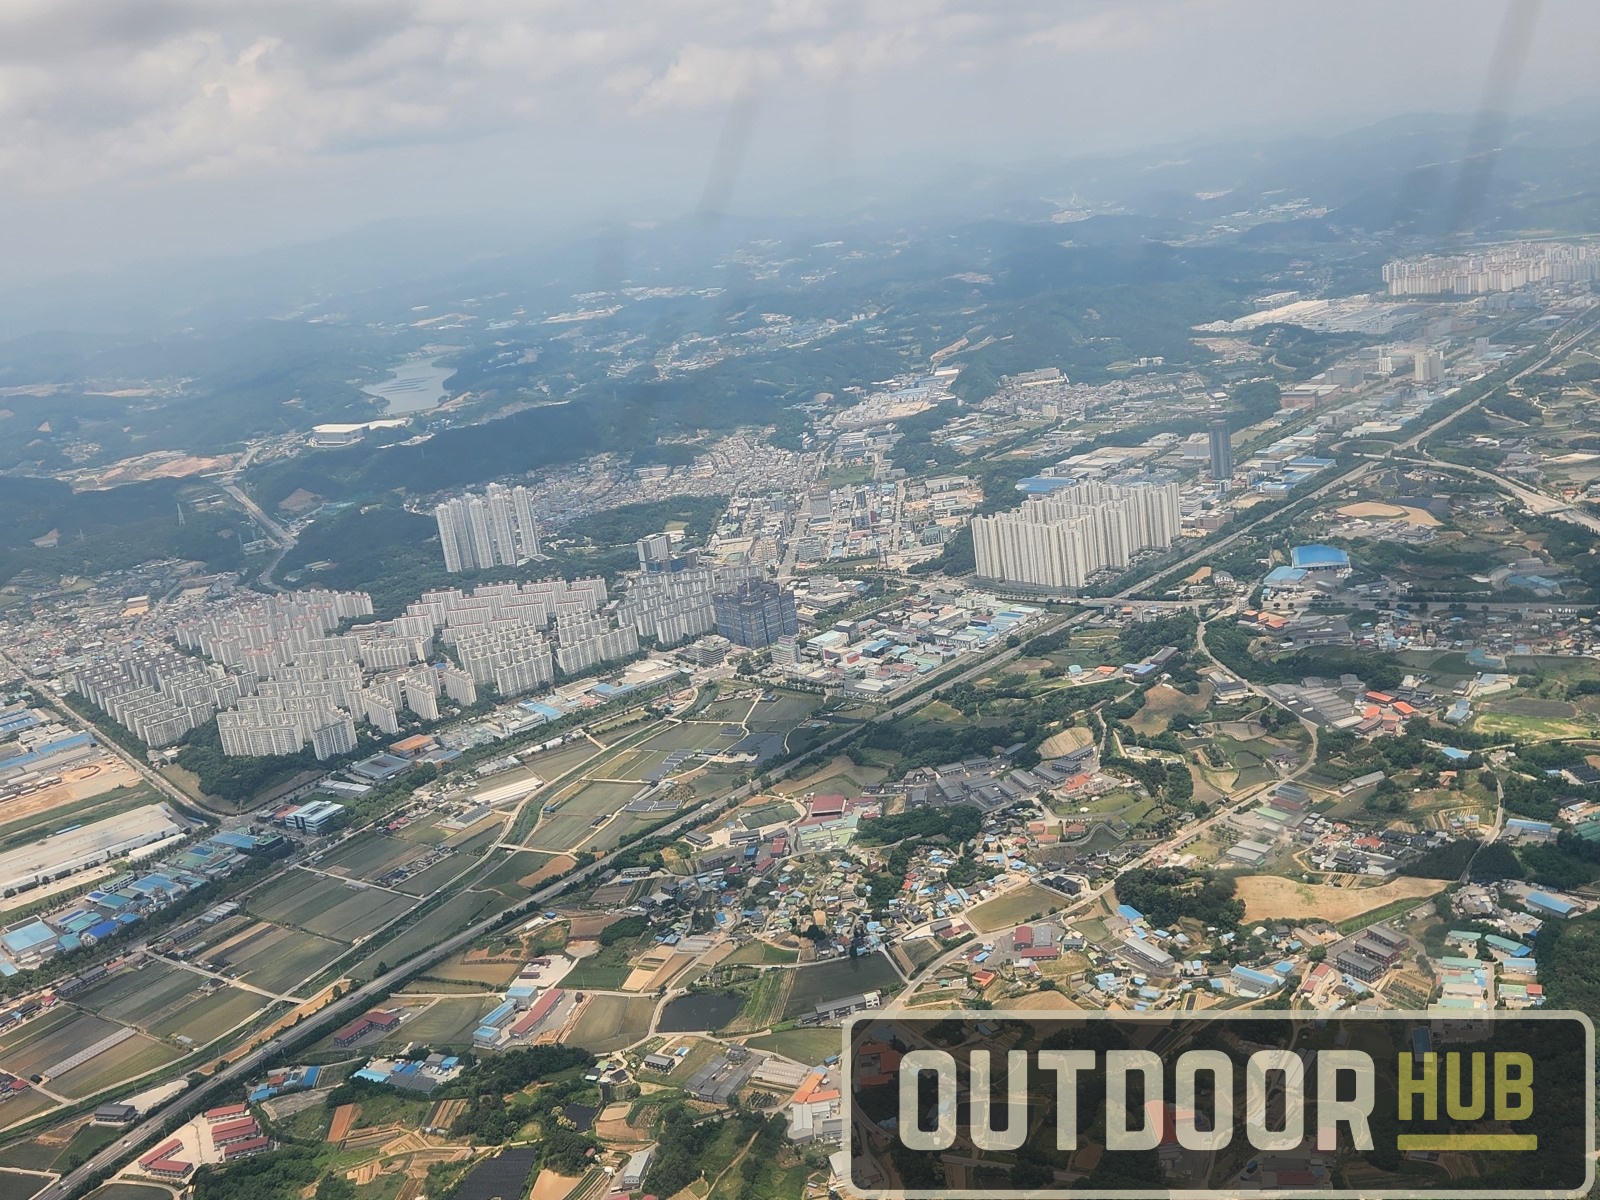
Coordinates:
1428 367
496 529
755 613
1221 446
1060 540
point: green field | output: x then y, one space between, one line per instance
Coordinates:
608 968
452 916
841 977
809 1046
449 1021
128 1060
769 814
784 713
1019 904
284 958
211 1016
759 953
610 1022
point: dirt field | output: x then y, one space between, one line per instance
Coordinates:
1039 1001
1372 509
557 864
77 783
1273 898
1065 742
550 1186
344 1118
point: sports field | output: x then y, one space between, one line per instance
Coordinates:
1019 904
808 1046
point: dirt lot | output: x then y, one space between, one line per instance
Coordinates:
556 865
1373 509
1271 897
77 783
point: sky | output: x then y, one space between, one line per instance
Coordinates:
147 129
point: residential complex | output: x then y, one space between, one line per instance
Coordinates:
756 613
493 530
1061 539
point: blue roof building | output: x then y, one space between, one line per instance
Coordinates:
1318 557
1554 905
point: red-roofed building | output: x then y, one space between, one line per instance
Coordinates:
384 1019
542 1008
234 1131
827 806
1023 937
160 1163
983 978
245 1148
228 1112
1041 953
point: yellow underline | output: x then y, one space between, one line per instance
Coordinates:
1468 1141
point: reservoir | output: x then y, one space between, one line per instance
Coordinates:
700 1011
415 385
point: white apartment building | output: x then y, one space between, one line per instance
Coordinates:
495 529
1060 540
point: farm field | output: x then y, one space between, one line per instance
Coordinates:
211 1016
1272 897
808 1046
430 879
140 997
127 1060
369 855
45 1041
508 874
22 1186
840 977
449 1020
358 913
611 1022
295 896
128 1191
283 958
450 917
1017 905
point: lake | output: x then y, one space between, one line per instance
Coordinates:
415 385
702 1011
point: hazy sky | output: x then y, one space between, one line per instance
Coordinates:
143 128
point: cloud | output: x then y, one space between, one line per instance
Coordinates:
91 93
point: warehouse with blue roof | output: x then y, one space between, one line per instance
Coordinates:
1317 557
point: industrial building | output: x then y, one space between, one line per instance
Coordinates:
89 845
